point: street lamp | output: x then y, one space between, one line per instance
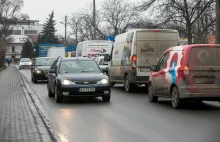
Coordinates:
217 22
65 24
94 20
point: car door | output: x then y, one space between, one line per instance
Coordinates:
52 76
159 76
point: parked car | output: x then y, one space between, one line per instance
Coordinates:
135 51
40 68
102 64
189 72
24 63
77 77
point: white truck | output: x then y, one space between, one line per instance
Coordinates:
56 52
94 48
135 51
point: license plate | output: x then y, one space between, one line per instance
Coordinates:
204 80
144 69
86 89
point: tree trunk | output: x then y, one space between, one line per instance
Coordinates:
217 21
189 34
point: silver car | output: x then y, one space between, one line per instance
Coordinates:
25 63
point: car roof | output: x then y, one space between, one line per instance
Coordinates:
46 58
77 58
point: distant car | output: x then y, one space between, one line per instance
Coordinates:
102 64
24 63
77 77
189 72
40 68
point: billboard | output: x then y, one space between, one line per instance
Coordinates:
43 48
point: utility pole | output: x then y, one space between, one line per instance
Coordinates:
94 20
65 27
217 37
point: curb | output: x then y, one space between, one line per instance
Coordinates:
37 107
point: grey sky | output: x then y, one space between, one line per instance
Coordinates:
39 9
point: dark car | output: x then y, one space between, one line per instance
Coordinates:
77 77
40 68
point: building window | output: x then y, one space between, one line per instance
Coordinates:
29 32
13 49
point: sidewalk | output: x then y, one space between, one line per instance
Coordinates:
19 120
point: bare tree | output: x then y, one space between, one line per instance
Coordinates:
186 13
119 15
9 11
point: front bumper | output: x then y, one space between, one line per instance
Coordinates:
73 91
40 76
24 66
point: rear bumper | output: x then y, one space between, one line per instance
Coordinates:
24 66
139 79
73 91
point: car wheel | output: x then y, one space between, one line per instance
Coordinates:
19 68
112 84
151 96
58 99
128 85
34 80
106 98
176 101
50 93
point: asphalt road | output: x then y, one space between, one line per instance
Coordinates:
130 118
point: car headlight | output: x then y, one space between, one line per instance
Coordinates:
30 63
103 81
37 71
67 82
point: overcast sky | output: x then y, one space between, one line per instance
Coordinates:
39 9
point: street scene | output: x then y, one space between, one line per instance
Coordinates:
110 71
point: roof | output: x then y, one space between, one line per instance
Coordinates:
33 37
19 39
46 58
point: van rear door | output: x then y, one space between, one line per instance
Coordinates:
204 69
150 46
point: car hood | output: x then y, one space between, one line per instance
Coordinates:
43 68
84 76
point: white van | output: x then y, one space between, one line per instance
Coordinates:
135 51
56 52
94 48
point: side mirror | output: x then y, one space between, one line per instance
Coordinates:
106 58
52 71
153 67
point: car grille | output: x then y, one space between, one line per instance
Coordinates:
85 82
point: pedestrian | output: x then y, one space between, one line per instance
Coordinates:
9 60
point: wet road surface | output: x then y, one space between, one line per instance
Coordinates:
129 117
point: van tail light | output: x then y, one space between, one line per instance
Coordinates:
134 62
186 70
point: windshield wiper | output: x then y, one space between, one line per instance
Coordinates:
89 71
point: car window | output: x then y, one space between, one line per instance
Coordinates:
161 64
79 67
25 60
102 62
204 56
45 61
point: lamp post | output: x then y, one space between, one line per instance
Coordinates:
94 20
65 24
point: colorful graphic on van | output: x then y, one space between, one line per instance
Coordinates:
172 65
126 54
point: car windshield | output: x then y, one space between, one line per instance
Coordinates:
25 60
83 66
45 61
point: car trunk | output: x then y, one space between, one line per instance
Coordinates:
150 50
204 69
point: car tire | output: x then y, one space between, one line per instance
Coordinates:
128 86
50 93
106 98
176 101
19 68
34 80
151 96
112 84
58 99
